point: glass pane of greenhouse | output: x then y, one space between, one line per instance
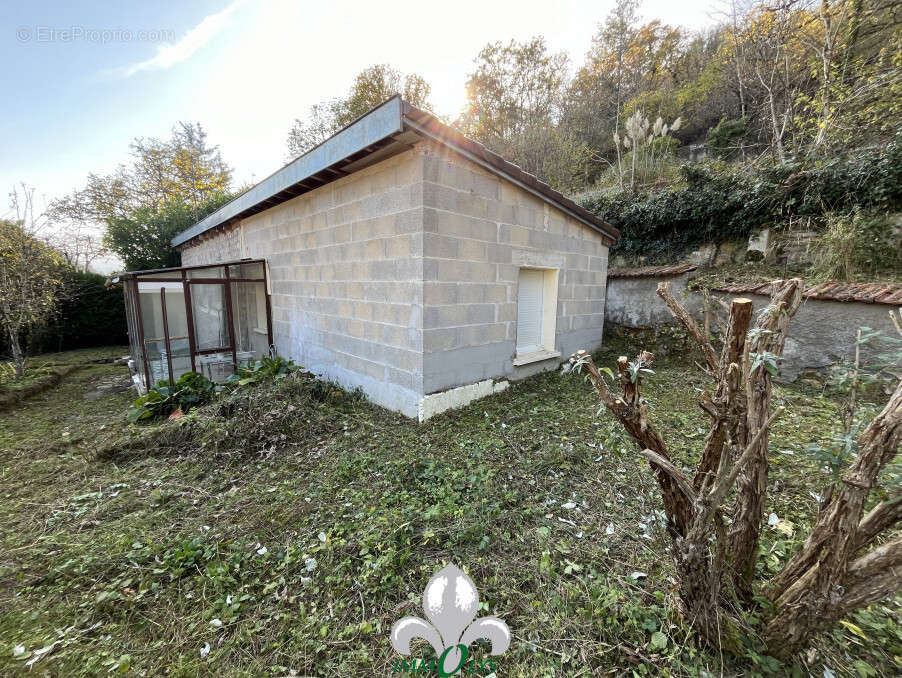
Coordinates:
196 319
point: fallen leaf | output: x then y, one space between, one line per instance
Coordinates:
785 527
853 628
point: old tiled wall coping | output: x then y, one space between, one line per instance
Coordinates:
651 271
863 292
822 333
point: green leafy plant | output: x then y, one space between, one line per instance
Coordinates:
836 453
275 368
769 361
884 364
638 368
191 390
7 372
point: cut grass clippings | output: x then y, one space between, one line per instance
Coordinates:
287 526
46 371
33 383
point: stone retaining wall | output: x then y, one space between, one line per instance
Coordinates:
822 333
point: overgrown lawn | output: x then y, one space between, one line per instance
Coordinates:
286 527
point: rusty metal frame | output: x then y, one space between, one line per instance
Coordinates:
231 320
268 307
189 318
176 270
166 337
180 275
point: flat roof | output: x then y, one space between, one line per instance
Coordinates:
179 269
389 128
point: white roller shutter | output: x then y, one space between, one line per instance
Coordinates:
529 310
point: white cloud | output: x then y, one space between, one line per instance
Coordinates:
169 55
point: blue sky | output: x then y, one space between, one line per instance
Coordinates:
245 69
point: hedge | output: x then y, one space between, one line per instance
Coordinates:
89 315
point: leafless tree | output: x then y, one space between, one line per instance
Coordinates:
849 560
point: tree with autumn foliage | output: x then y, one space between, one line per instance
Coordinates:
371 87
169 185
515 99
31 275
767 83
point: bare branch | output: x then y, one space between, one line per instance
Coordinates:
633 415
880 518
720 490
668 467
683 316
727 409
877 445
874 576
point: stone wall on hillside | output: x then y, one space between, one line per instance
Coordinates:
822 333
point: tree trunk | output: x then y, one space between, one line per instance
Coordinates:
729 403
818 585
18 355
751 490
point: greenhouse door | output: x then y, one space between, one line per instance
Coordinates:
214 342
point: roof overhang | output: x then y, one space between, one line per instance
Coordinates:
390 128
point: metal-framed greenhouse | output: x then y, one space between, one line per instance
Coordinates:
207 319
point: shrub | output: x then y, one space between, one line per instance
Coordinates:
88 315
192 389
835 250
857 244
724 138
276 368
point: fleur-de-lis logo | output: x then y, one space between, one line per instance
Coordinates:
450 601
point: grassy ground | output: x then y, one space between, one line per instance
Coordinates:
287 527
39 368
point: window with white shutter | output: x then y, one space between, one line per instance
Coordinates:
536 315
530 297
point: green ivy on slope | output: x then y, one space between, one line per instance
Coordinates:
714 203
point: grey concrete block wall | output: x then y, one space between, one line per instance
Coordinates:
479 230
402 278
346 271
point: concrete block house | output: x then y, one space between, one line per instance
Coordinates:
400 257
